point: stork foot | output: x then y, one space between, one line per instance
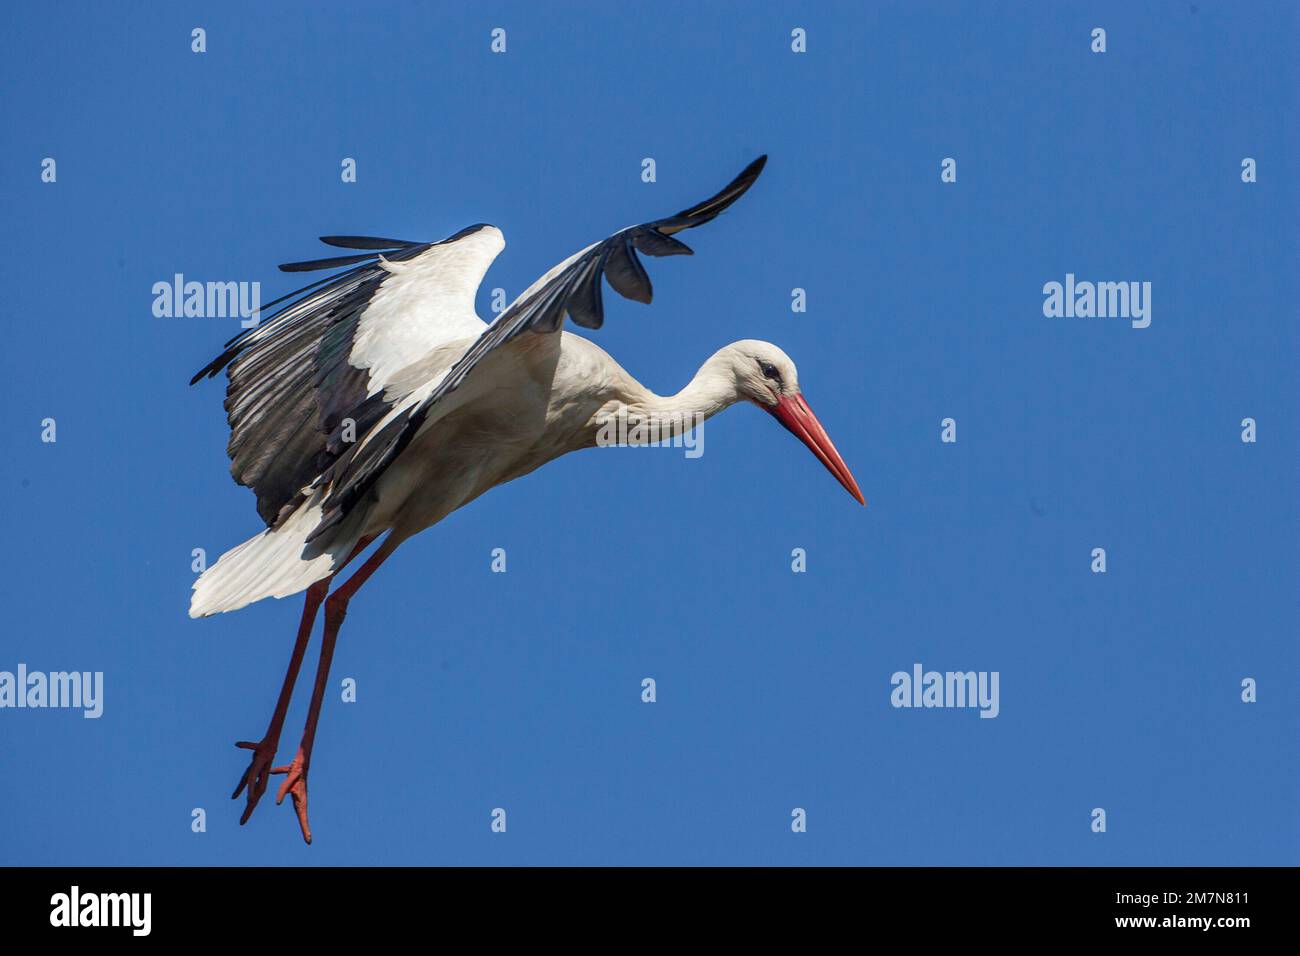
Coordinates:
295 786
258 774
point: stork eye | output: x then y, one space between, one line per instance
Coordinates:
769 370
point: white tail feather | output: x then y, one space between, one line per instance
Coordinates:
267 565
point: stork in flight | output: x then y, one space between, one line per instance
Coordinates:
377 402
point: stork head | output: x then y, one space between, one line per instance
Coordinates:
765 376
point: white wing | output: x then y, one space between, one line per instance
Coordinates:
332 355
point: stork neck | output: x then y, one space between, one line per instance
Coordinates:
638 416
709 392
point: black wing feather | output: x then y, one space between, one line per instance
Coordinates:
366 242
316 265
626 274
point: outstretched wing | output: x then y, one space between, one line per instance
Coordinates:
330 355
572 288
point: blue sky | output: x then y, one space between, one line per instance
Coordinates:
522 690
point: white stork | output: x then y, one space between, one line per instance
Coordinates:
377 402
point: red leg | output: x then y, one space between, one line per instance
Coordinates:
336 609
256 777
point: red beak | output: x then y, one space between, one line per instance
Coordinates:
793 412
